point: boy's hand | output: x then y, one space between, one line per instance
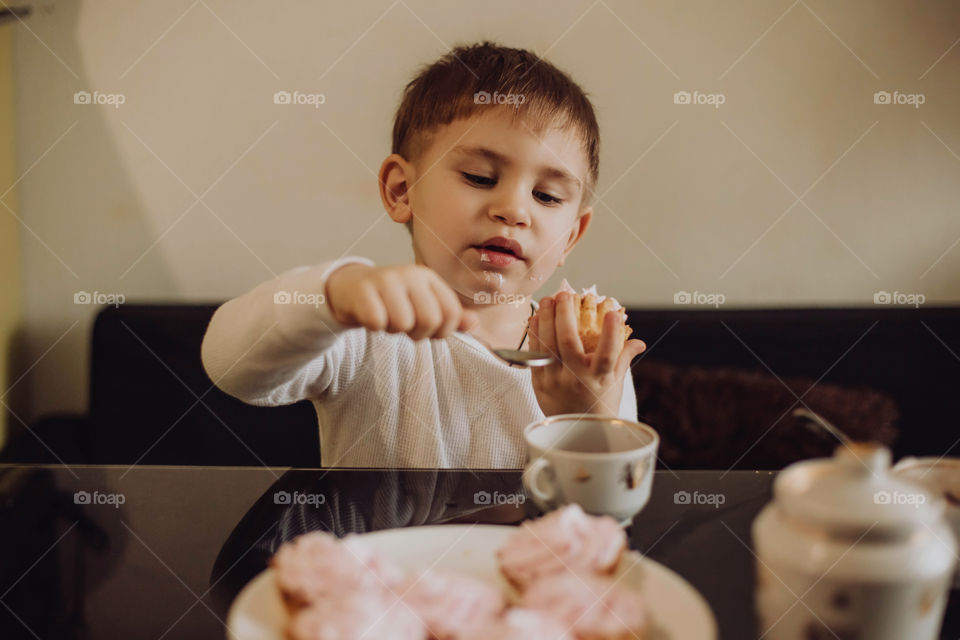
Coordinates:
579 382
409 299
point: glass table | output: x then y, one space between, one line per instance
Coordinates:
160 552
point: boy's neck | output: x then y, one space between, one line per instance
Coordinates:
502 325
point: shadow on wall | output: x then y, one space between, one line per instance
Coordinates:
49 357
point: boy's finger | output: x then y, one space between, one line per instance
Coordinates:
453 312
609 347
428 316
545 324
369 310
568 339
400 314
631 349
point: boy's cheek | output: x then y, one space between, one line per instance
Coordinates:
552 258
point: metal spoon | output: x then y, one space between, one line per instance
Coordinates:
823 423
518 357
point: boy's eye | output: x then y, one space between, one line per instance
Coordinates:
480 180
547 198
483 181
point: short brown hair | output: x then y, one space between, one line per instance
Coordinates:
447 90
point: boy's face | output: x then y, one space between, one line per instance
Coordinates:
482 179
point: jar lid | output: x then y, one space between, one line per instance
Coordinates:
853 494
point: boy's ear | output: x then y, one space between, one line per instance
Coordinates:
396 174
576 232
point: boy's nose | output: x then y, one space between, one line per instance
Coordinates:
511 212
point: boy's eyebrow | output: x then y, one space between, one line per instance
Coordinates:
499 158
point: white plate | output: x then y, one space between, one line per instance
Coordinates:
677 610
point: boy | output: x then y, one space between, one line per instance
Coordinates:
493 188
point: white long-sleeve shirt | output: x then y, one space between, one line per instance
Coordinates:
382 399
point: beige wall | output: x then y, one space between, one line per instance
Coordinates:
704 203
10 300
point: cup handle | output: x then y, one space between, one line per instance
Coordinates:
531 482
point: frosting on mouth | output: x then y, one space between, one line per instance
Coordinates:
494 278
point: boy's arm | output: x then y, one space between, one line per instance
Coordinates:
257 344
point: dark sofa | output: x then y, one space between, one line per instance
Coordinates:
717 384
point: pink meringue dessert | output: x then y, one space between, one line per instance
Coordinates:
562 540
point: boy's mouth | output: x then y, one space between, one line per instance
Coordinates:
500 246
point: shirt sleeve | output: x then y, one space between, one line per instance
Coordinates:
278 343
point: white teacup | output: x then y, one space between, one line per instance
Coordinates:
604 464
941 475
